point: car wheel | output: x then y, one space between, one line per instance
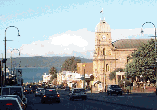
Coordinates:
108 93
58 101
42 101
72 98
120 93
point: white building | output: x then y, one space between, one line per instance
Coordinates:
46 78
69 77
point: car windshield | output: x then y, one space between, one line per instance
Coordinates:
40 89
5 91
15 90
15 96
49 92
115 86
79 90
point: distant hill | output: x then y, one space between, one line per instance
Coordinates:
39 61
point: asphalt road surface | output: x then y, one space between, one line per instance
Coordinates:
34 103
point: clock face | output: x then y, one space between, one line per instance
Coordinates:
103 37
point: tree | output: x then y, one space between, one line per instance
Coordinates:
112 75
70 64
53 72
143 62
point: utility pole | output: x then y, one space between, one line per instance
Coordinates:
84 77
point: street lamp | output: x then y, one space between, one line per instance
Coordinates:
5 47
155 49
11 58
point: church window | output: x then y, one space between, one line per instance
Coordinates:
107 68
103 51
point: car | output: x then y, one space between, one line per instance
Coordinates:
39 92
19 100
77 93
10 104
50 95
34 87
114 89
27 91
67 88
15 90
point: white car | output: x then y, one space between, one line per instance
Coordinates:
39 91
78 93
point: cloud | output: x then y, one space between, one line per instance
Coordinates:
61 44
130 33
73 43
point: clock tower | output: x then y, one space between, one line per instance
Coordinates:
103 48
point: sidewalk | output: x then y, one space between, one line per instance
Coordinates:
146 101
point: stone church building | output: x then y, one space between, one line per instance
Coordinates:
110 55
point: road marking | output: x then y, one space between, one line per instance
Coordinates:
122 96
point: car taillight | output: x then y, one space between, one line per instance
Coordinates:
44 95
58 95
26 90
9 104
36 92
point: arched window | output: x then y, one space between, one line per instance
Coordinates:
103 51
107 68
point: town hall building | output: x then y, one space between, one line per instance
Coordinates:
110 55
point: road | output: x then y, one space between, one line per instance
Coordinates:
35 104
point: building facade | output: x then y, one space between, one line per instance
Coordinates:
46 78
110 55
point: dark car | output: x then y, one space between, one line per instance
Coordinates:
78 93
10 104
67 88
39 92
27 91
34 87
15 90
19 100
114 89
50 95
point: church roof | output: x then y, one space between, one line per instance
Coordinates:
129 43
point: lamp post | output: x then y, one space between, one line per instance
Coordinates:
11 58
84 76
155 49
104 75
5 47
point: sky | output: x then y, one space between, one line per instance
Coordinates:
67 28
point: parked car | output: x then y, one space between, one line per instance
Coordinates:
50 95
19 100
67 88
114 89
39 92
78 93
10 104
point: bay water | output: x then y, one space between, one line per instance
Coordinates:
33 74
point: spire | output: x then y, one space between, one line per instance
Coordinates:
102 13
